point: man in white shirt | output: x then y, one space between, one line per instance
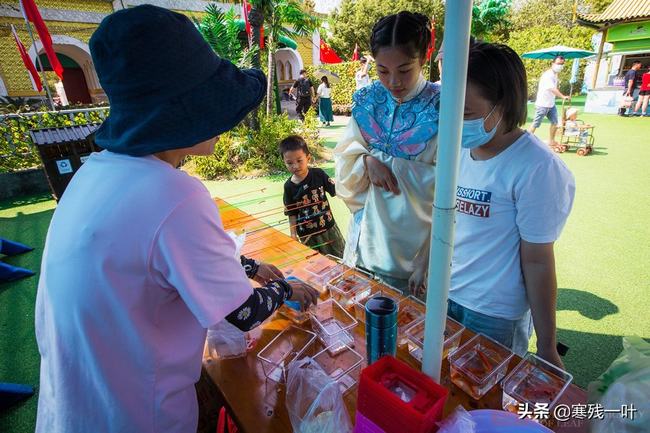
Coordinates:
547 90
362 77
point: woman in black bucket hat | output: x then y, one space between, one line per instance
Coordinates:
136 263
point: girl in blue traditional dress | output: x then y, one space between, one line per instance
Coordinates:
385 162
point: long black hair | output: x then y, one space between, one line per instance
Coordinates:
409 31
325 80
500 76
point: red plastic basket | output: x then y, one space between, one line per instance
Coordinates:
398 399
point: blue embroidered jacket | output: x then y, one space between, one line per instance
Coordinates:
400 130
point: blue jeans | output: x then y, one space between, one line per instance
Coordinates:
513 334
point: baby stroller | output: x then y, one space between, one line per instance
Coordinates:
574 133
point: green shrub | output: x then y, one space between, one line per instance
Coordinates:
16 149
538 37
245 151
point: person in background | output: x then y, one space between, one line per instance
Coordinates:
136 264
325 102
385 161
362 77
303 91
310 215
644 95
547 90
514 196
575 128
630 85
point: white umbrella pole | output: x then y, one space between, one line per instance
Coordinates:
458 16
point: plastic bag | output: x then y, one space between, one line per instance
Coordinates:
314 400
626 102
459 421
226 341
626 382
239 240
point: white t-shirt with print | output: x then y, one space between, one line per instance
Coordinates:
324 91
547 82
525 192
136 266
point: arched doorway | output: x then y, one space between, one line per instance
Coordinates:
74 81
291 64
79 77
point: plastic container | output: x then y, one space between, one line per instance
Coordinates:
350 287
288 345
411 310
321 269
415 338
333 325
375 290
292 310
395 398
344 367
478 365
533 381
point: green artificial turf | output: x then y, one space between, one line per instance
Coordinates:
603 255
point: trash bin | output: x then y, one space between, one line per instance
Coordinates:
63 151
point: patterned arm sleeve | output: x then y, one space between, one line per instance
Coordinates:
260 305
250 266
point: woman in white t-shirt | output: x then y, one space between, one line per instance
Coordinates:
325 101
514 196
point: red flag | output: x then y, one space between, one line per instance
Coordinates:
27 60
432 42
246 8
32 14
355 55
327 54
262 37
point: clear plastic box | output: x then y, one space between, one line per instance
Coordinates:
478 365
350 287
333 325
292 310
284 348
321 269
411 310
344 367
534 381
375 290
415 338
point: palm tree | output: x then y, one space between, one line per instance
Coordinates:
281 18
221 31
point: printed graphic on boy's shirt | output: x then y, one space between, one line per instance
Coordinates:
473 202
316 216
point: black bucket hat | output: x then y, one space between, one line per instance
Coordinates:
166 86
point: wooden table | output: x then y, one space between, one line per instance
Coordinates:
258 405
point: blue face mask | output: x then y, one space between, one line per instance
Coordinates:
474 133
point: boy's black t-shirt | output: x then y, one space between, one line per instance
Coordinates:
308 202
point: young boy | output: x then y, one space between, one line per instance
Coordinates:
310 217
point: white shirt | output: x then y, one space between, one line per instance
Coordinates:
547 82
324 91
362 80
136 265
525 192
